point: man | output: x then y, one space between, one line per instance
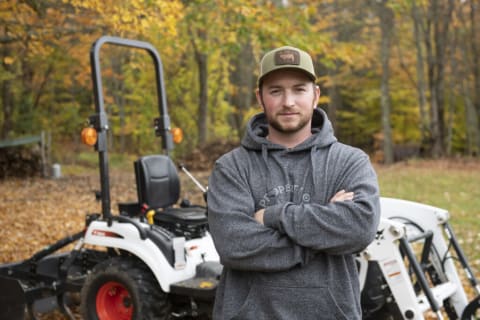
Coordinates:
291 206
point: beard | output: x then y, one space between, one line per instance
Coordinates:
289 127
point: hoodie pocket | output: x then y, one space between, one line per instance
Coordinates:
302 303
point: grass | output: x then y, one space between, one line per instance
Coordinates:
451 185
88 161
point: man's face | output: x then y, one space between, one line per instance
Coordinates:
288 98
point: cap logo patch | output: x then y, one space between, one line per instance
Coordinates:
287 56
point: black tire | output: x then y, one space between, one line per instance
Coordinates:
123 288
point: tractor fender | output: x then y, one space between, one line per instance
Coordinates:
125 236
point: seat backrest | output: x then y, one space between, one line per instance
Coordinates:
157 180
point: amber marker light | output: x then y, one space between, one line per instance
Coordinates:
89 136
177 135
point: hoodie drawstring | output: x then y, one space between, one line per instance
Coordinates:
268 177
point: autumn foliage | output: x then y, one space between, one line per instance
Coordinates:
405 70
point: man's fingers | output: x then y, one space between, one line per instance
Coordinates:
342 195
259 215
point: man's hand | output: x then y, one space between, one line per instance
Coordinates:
259 215
342 195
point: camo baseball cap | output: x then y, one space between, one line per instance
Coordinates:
286 58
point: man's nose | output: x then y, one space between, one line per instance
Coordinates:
288 99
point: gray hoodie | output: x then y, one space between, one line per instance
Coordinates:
300 264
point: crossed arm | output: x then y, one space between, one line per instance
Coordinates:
285 235
341 195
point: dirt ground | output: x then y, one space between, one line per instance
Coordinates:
36 212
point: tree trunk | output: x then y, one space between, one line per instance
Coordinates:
201 59
386 26
244 81
476 77
421 87
469 64
472 123
452 84
334 90
436 44
202 64
335 99
436 135
118 93
6 96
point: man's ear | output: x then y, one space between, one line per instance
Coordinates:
317 96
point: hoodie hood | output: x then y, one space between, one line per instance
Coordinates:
257 131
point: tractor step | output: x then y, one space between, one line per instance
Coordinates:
199 287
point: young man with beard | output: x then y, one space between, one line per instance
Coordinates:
291 206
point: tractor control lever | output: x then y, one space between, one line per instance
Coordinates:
199 185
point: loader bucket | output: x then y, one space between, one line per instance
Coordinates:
13 299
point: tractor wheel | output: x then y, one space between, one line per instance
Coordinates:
123 289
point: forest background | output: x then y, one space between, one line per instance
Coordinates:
398 78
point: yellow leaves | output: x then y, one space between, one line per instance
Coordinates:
324 99
8 60
134 17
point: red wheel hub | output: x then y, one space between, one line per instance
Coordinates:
114 302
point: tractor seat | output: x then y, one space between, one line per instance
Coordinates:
158 187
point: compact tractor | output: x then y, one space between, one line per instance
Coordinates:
155 258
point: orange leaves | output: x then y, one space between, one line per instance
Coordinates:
37 212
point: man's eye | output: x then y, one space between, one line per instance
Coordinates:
274 91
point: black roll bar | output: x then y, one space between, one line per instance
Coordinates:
100 119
